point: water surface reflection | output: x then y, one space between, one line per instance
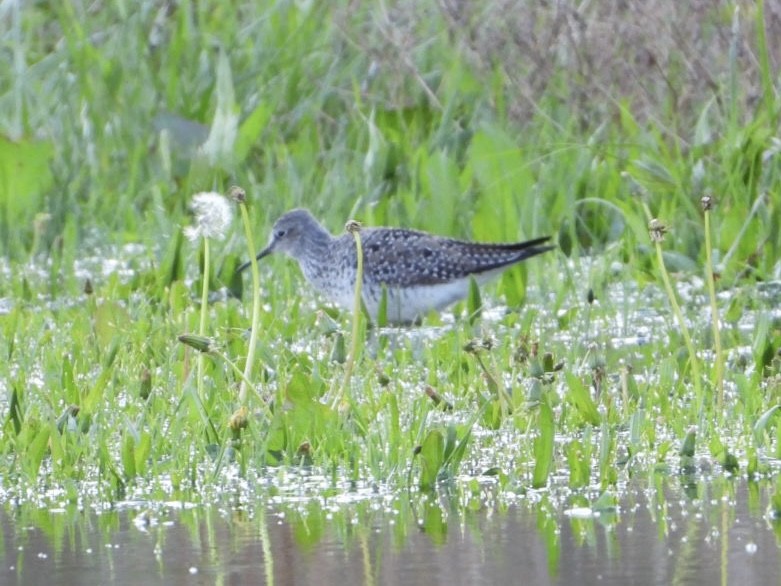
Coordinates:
660 535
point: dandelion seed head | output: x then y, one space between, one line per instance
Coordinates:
657 230
213 214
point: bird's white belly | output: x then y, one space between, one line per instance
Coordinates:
404 304
411 303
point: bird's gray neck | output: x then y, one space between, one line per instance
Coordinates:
316 246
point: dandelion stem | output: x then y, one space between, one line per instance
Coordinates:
719 365
213 216
695 364
253 338
204 309
354 229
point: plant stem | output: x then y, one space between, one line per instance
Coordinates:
719 363
695 364
246 382
204 309
348 369
253 338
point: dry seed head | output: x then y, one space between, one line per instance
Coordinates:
657 230
213 214
237 194
471 347
707 202
239 419
352 226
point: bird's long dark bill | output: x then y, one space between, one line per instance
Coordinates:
265 252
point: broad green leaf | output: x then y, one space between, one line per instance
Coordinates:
501 176
382 310
689 443
431 459
94 396
143 448
455 448
607 467
111 321
251 129
440 186
580 397
15 409
513 285
24 177
778 442
579 465
474 303
543 446
219 147
774 509
36 451
762 347
606 502
128 456
68 381
760 427
703 133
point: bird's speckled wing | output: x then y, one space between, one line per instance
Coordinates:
406 258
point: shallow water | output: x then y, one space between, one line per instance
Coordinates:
308 529
661 533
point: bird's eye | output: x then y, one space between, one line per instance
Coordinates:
279 234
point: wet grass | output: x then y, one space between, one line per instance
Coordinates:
590 377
